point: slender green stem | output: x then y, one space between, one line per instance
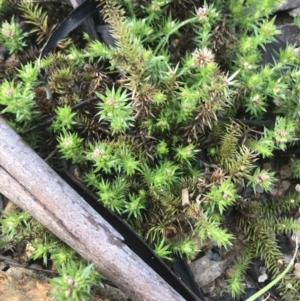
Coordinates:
277 279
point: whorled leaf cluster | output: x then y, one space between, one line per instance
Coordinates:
176 131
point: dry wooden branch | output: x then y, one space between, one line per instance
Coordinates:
30 183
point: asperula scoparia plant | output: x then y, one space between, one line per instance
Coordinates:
181 104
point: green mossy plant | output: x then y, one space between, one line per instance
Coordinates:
76 276
75 282
11 36
182 103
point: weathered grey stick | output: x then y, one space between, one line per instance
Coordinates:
31 184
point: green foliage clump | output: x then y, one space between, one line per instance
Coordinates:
259 224
76 276
179 106
2 6
35 16
17 96
295 166
116 109
64 119
70 146
12 221
12 36
75 282
220 197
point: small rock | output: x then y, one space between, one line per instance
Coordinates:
290 34
287 4
294 12
297 270
263 277
228 273
3 53
3 265
285 172
205 270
